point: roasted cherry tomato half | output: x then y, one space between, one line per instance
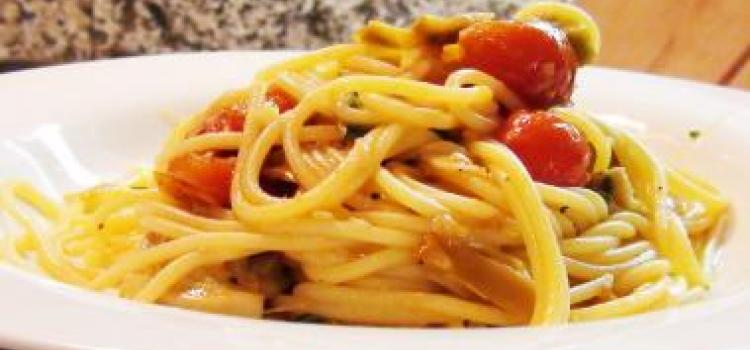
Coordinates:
280 98
553 151
227 119
233 118
206 178
535 59
199 179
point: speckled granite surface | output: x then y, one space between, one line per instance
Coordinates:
45 30
62 30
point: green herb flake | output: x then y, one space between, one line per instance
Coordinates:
353 100
694 134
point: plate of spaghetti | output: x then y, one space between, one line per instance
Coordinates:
462 181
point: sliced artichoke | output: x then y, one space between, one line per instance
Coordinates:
445 29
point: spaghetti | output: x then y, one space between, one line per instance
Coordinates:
399 180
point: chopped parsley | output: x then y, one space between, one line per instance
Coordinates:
694 134
353 100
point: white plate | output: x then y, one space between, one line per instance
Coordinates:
70 126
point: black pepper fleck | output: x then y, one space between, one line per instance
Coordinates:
449 135
412 161
354 132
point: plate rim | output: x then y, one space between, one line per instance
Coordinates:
359 331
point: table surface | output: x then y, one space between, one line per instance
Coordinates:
705 40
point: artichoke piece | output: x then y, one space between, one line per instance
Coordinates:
444 30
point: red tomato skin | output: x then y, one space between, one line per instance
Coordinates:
232 118
535 60
200 179
280 98
553 151
206 178
226 120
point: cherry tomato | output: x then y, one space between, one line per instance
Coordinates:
206 178
281 98
202 179
553 151
233 118
535 60
227 119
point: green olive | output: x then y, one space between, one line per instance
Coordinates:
582 31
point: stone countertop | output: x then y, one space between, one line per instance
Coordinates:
42 31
